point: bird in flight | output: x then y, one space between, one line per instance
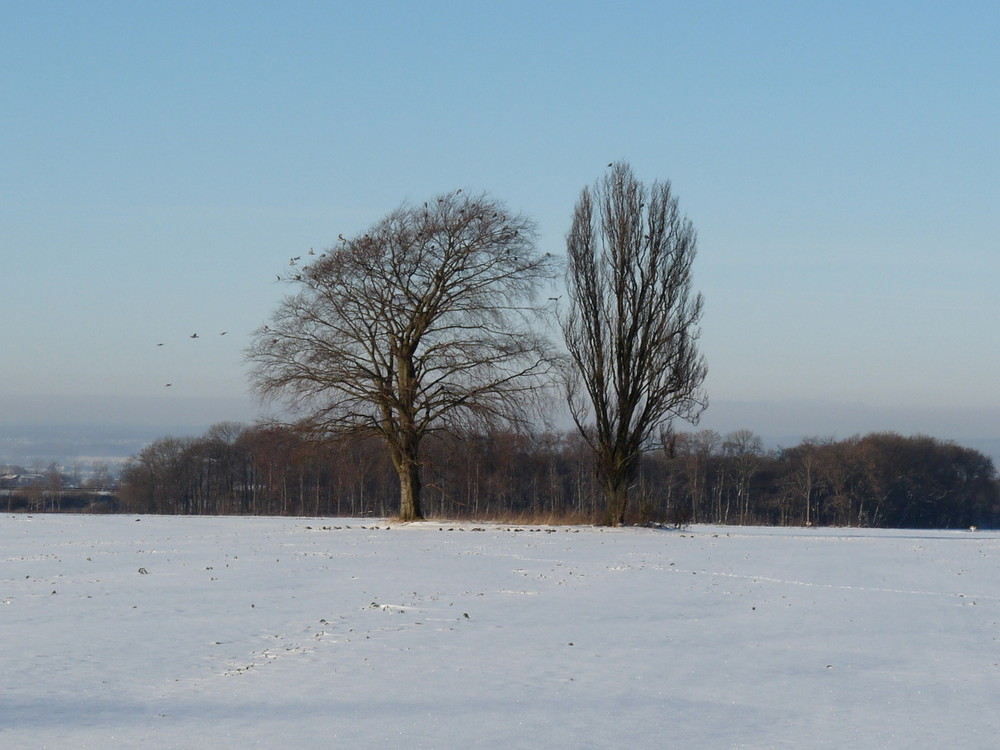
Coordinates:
194 335
168 385
224 333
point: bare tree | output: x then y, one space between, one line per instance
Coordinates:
695 451
100 478
424 322
743 451
631 326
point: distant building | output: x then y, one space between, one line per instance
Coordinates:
13 481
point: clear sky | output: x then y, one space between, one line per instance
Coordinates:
160 163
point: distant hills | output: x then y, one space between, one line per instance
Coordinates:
67 429
40 445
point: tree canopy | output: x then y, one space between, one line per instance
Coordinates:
631 329
424 322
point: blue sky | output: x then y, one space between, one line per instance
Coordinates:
840 161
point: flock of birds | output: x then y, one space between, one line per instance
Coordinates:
292 262
192 336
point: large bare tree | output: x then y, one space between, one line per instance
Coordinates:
631 328
424 322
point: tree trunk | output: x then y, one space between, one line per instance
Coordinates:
615 476
615 489
617 504
409 491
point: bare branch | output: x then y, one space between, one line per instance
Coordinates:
425 322
631 329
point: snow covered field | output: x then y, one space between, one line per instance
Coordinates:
167 632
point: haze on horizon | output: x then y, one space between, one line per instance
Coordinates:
162 164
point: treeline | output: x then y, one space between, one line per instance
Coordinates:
880 480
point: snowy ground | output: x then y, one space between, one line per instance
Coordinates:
160 632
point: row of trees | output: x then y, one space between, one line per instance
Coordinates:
881 480
419 345
876 480
430 324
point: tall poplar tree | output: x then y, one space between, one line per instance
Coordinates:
632 324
